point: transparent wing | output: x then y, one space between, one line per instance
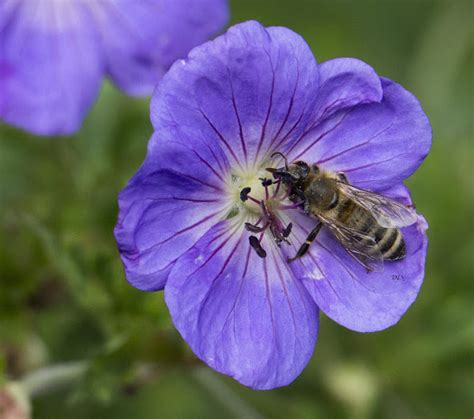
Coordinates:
388 212
361 247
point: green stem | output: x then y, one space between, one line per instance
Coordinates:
53 377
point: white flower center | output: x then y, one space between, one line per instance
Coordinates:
256 202
253 180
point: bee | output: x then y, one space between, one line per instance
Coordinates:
367 224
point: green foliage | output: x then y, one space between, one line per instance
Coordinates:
64 296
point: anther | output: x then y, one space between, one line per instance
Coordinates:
253 228
266 182
244 194
255 243
287 231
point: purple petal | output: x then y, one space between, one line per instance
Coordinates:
50 65
358 300
143 38
166 207
244 316
346 82
250 89
377 145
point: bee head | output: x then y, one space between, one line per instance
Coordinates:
292 174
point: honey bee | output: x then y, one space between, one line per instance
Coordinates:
367 224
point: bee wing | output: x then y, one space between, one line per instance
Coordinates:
388 212
361 247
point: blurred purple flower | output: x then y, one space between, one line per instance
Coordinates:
218 117
54 54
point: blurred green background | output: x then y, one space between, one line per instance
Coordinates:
63 294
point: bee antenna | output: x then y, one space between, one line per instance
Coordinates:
278 153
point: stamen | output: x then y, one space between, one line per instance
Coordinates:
287 230
277 189
244 196
266 182
269 206
255 243
254 228
286 195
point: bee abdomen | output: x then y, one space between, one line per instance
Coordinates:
390 242
362 221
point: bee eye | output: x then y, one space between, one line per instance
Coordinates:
303 168
315 168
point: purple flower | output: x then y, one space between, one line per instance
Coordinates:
54 54
218 117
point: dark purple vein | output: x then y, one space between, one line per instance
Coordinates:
184 230
262 136
354 169
355 147
317 139
290 108
234 104
206 163
221 137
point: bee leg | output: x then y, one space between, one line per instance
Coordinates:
299 195
342 177
306 207
305 246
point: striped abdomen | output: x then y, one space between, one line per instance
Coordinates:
389 240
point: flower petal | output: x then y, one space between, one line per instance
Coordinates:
377 145
358 300
346 82
50 65
142 39
250 89
244 316
171 201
